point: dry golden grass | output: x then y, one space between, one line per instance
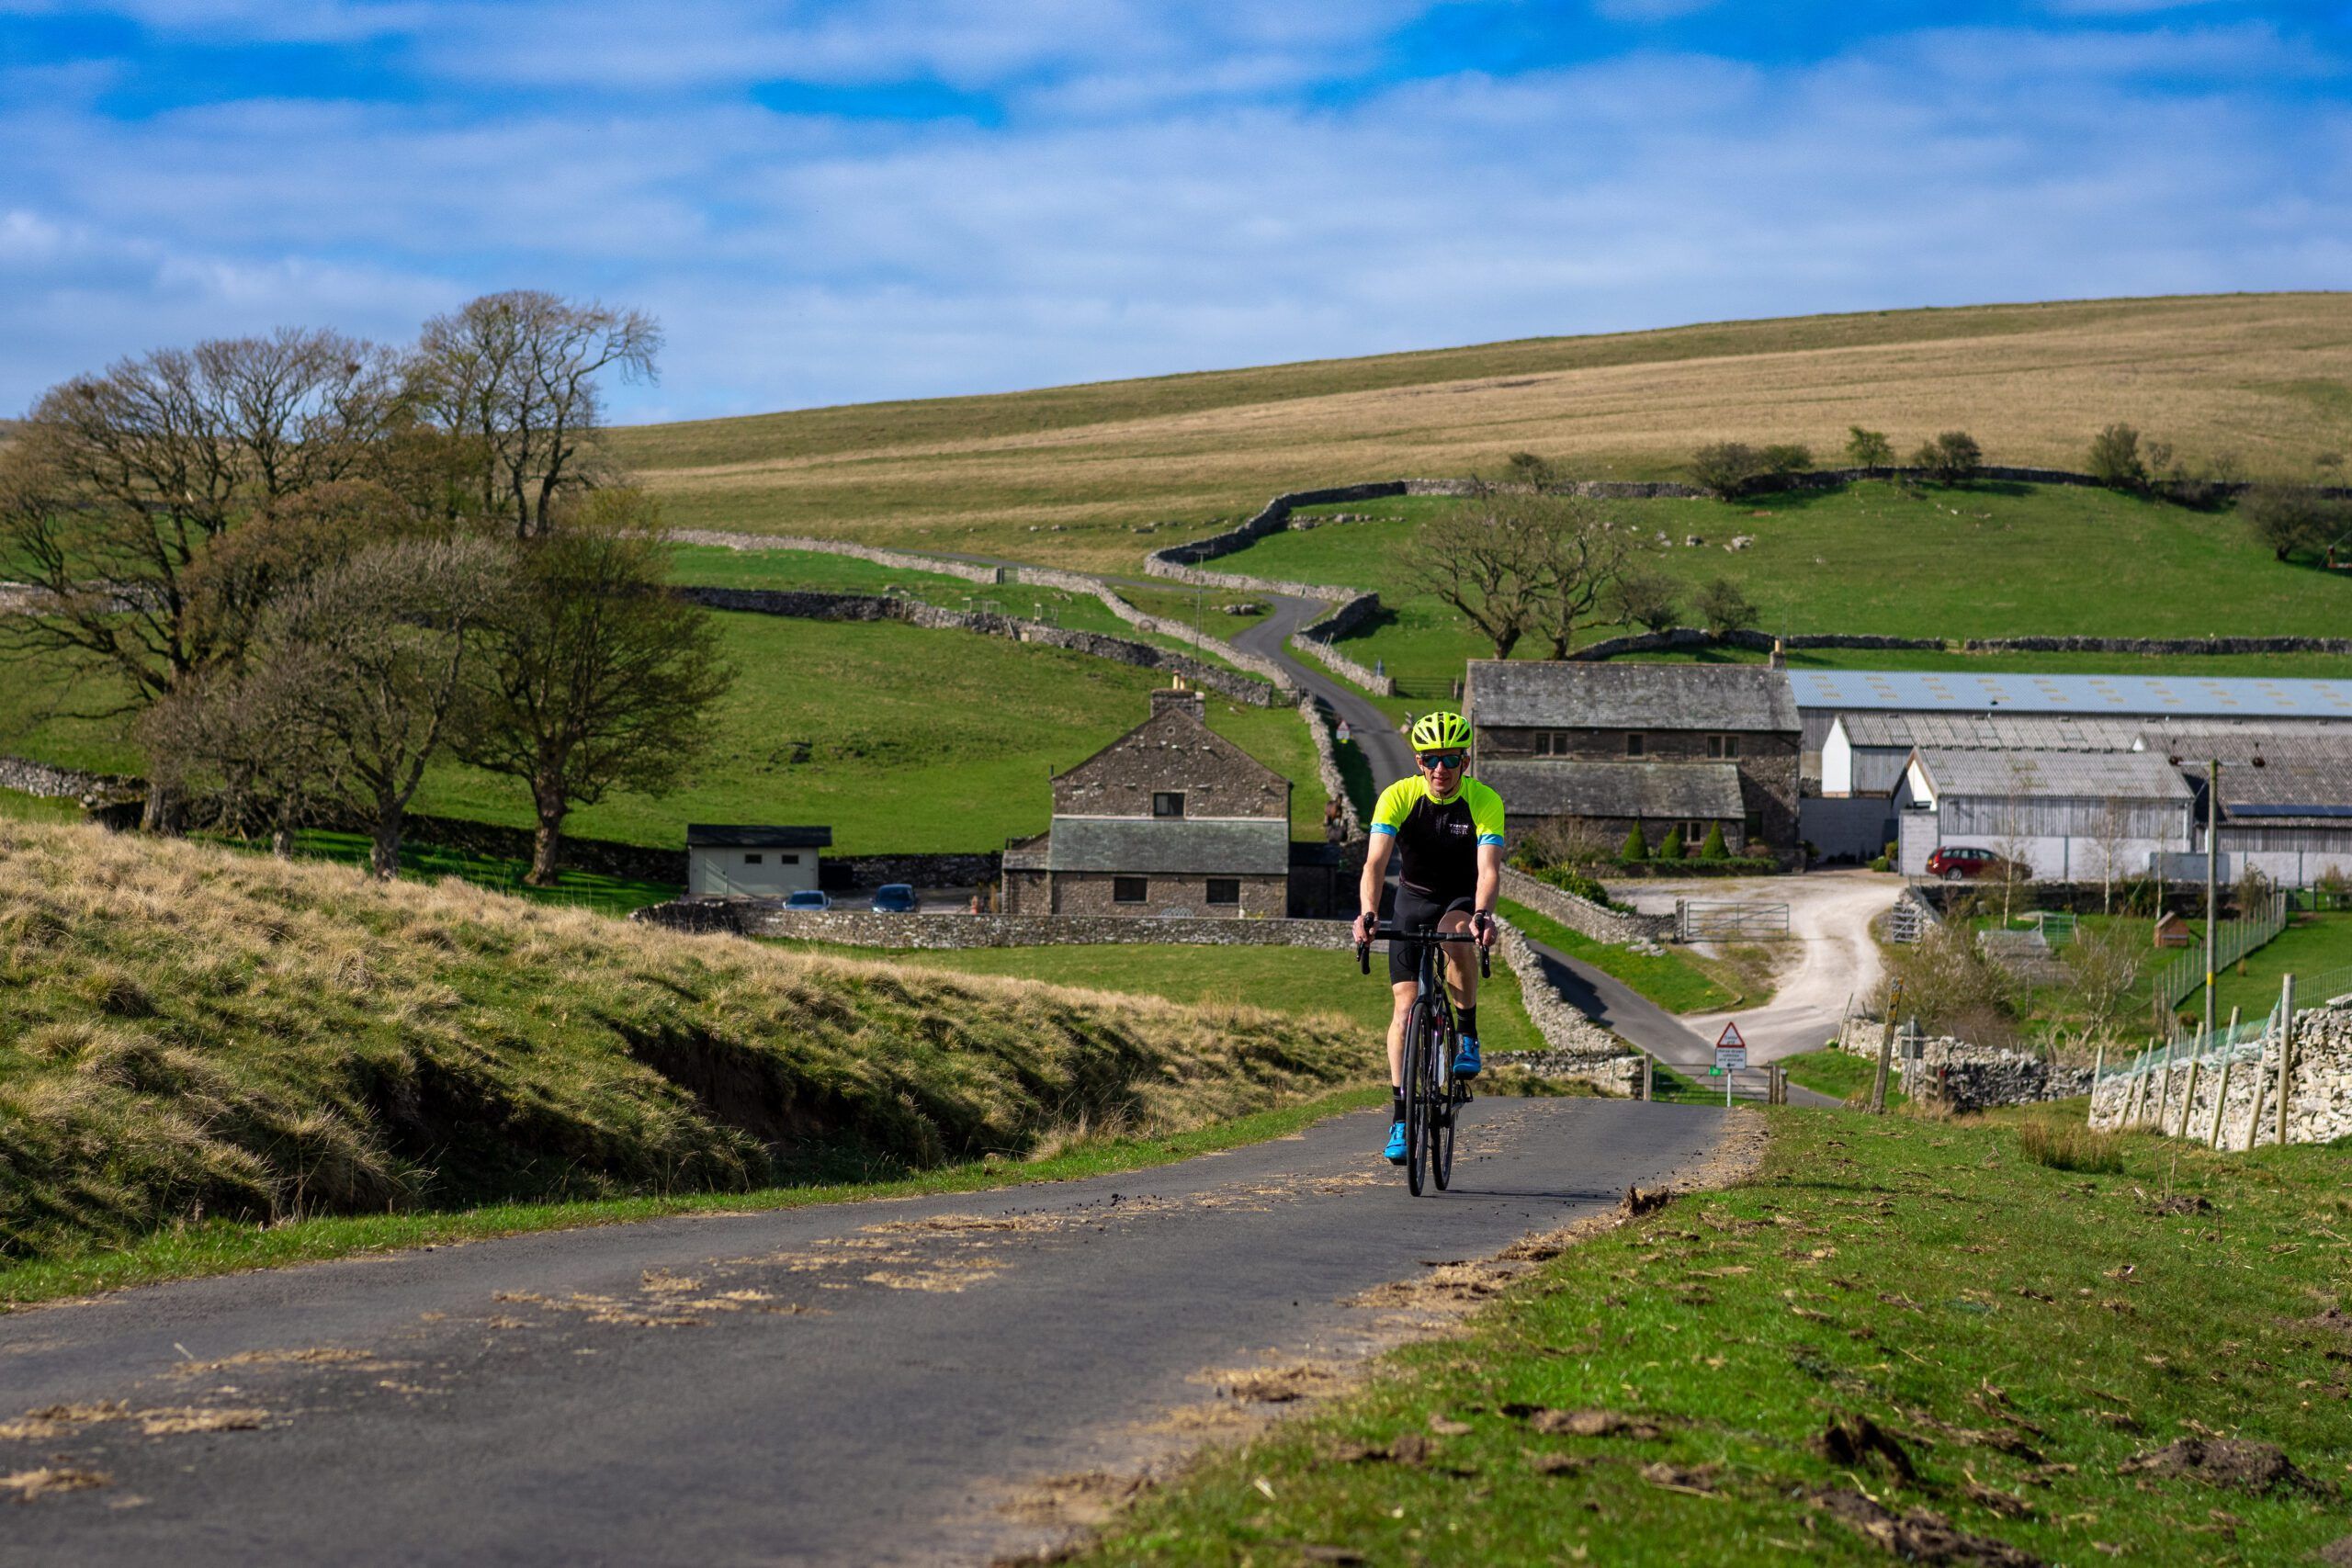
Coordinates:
189 1031
2268 378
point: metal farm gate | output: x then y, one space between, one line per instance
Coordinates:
1709 920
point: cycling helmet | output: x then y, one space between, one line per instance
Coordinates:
1439 731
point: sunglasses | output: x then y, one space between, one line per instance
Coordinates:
1434 759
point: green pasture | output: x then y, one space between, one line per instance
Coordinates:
903 739
2008 1313
1673 980
1280 980
1953 562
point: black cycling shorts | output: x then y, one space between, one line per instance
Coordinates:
1413 912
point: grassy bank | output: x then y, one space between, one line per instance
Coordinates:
2258 375
1994 560
189 1034
1843 1074
902 740
1908 1326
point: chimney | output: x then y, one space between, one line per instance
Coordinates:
1177 696
1780 657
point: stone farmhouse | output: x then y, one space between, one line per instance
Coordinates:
1603 748
1171 818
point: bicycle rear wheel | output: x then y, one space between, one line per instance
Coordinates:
1441 1097
1417 1095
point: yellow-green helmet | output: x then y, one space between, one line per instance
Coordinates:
1439 731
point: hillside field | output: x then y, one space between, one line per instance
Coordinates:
2265 378
1982 560
914 741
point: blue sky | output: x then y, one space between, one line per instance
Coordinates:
882 199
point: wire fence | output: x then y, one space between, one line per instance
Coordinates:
2232 940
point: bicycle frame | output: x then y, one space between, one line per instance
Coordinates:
1432 1095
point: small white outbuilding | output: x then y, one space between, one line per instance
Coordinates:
738 862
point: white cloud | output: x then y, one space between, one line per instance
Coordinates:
798 259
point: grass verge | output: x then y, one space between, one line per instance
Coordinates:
1841 1074
222 1246
1669 979
1905 1332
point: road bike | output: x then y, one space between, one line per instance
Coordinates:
1433 1096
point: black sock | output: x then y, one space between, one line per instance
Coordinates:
1396 1104
1467 1019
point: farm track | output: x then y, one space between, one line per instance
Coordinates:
940 1380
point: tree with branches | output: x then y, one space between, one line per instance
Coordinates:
1516 564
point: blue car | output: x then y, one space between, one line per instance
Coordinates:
808 898
896 898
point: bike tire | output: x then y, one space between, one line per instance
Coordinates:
1417 1141
1440 1106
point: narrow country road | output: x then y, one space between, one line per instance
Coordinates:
855 1383
1834 961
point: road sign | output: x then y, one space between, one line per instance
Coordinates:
1731 1050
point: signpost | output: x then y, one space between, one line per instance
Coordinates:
1731 1057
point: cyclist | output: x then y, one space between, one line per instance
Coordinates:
1450 830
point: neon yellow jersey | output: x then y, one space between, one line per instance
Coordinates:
1437 840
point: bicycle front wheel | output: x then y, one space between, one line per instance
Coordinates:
1417 1095
1440 1098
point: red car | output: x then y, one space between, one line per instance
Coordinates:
1954 862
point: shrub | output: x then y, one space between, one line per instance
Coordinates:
1715 848
2114 459
1881 863
1950 458
1786 457
2289 519
1672 848
1726 467
1723 609
1650 599
1869 448
2069 1145
1637 847
1527 469
1583 886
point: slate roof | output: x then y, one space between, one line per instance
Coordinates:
2060 775
715 836
1703 791
1992 732
1558 694
2150 696
1193 846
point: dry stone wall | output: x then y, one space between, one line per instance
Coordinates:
857 927
2319 1094
1573 1046
28 777
901 560
1580 914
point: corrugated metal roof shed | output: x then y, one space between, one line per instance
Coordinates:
1194 846
718 836
1546 694
2073 775
2152 696
1981 732
1703 791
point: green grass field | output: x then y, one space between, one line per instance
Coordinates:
18 806
1842 1074
2020 1332
916 740
1299 980
1953 563
1671 979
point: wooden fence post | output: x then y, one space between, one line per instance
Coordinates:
2220 1104
1649 1063
2286 1049
1885 1049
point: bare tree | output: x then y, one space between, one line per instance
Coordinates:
594 677
1518 563
514 376
117 483
2102 968
374 654
1647 599
2110 832
1585 557
250 751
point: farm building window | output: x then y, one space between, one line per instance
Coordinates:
1224 890
1694 833
1633 744
1543 742
1551 743
752 860
1723 746
787 860
1168 803
1130 889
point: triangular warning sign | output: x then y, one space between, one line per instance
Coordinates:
1729 1039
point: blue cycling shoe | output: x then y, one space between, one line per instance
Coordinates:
1466 1060
1397 1143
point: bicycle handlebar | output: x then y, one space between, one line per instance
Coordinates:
1395 934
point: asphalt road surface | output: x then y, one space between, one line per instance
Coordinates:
866 1382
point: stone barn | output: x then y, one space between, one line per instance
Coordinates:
1171 818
